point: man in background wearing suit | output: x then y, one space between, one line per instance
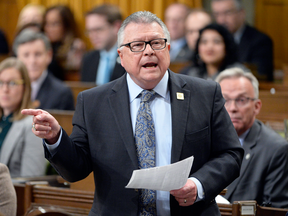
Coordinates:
186 115
264 171
175 15
255 48
102 64
34 50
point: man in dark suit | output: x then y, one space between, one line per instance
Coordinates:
189 119
102 64
255 47
264 171
175 15
48 92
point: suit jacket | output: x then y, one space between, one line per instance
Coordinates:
264 170
257 48
8 200
184 55
54 94
4 49
22 151
90 64
102 141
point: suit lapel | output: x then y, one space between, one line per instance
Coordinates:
179 109
119 101
11 139
248 145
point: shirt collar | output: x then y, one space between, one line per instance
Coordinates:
112 53
161 88
238 34
41 79
176 44
243 136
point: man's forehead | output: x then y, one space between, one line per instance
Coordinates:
143 30
236 85
224 4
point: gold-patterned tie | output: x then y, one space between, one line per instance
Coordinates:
145 145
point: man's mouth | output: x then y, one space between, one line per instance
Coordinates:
150 65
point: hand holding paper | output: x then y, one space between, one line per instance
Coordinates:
165 178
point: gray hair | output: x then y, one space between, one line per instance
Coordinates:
28 35
238 73
238 3
141 17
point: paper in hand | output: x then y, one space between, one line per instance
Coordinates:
165 178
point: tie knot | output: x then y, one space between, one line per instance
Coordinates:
146 95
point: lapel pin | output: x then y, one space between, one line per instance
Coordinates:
180 96
247 156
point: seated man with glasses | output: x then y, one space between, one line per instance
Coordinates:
264 171
149 117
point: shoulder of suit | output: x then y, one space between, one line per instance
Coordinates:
256 33
91 54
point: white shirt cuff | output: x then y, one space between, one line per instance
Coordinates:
200 191
52 148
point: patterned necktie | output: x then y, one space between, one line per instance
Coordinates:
145 145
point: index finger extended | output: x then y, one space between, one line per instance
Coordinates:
33 112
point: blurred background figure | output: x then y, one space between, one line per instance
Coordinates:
31 13
255 48
34 50
8 200
68 49
215 51
20 150
195 20
4 48
102 64
175 16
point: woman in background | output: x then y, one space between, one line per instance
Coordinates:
20 150
60 27
215 51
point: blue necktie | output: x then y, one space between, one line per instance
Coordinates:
146 146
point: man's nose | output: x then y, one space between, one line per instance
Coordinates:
232 106
148 50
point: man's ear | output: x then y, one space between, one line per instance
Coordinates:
120 55
258 105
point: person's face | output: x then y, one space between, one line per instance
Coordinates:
242 117
10 94
35 56
175 21
226 14
30 15
102 34
211 47
193 24
54 26
148 67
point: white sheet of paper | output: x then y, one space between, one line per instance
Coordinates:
165 178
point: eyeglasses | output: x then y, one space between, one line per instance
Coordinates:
240 102
12 83
226 13
140 46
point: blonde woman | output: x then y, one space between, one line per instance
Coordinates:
20 150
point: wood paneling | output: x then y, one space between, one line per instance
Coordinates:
10 9
271 18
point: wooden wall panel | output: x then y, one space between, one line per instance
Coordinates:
271 18
9 10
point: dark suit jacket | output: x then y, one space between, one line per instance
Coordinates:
3 44
90 64
257 48
102 141
184 55
54 94
264 170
